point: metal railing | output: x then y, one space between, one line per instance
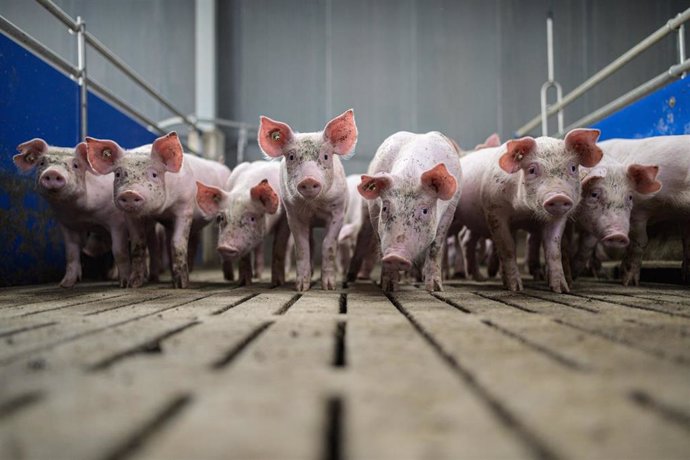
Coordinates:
79 73
673 73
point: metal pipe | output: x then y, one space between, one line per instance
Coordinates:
549 45
681 46
172 121
604 73
56 11
34 45
83 88
673 73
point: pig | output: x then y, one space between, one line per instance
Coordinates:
352 223
157 183
670 204
247 210
82 202
609 191
526 183
312 186
412 189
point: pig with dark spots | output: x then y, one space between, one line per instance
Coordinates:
248 210
412 189
608 193
670 204
312 186
82 202
527 183
157 183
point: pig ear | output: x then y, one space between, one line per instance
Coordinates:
584 143
440 182
268 197
516 150
598 172
168 150
209 198
273 136
81 151
29 153
644 178
371 187
491 141
341 132
102 154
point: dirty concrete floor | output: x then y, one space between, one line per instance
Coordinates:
218 371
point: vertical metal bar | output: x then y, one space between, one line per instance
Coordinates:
681 46
241 144
83 89
549 45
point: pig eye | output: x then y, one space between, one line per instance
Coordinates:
573 169
75 165
117 174
594 194
630 198
325 156
220 219
42 163
425 211
154 175
384 209
291 157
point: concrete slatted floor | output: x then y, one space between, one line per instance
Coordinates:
218 371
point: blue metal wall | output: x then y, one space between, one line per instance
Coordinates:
664 112
38 101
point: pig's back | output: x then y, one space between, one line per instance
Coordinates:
247 175
388 152
207 171
477 166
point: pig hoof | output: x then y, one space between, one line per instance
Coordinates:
328 283
302 285
68 282
245 282
434 284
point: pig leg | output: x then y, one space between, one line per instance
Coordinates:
364 247
258 261
685 269
505 245
533 261
552 236
344 255
193 248
493 263
137 236
433 279
459 263
178 251
245 269
585 250
281 236
469 248
120 248
72 253
329 249
632 261
154 247
228 272
301 233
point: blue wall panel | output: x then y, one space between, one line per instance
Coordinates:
664 112
38 101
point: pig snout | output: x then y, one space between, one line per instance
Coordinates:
558 204
309 187
396 262
228 252
616 240
130 201
52 180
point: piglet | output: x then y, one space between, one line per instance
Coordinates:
670 204
527 183
248 210
312 186
412 189
157 183
609 191
82 202
353 222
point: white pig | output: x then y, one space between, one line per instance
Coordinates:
312 186
246 211
82 202
157 183
670 204
412 189
526 183
353 222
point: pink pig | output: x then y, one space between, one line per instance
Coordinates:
526 183
247 210
670 204
81 200
353 222
312 186
157 183
412 190
608 193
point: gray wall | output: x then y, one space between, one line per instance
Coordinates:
467 68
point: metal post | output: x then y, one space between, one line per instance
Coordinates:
241 144
82 80
550 83
681 46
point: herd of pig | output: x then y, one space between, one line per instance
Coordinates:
421 191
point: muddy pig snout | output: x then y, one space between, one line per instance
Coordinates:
558 204
130 201
52 180
309 187
396 262
616 240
